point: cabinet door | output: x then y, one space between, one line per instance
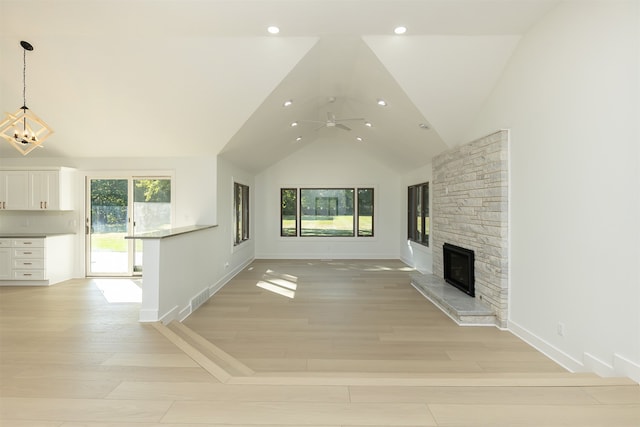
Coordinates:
5 263
14 190
45 190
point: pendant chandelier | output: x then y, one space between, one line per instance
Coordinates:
23 129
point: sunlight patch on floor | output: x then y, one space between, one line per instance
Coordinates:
276 289
119 290
279 283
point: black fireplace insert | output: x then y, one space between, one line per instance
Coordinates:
458 268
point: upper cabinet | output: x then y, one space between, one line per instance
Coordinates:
36 190
14 190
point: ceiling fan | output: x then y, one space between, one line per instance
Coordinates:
333 122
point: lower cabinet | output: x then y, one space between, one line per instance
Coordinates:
28 259
35 261
5 259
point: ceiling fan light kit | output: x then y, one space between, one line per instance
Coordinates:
24 130
333 122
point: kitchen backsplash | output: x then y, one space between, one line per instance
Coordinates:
12 222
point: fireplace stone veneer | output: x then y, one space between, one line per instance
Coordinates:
470 192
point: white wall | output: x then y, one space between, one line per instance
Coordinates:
570 97
230 259
327 163
413 254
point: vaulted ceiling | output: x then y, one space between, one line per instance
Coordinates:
146 78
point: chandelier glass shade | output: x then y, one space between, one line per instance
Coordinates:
23 129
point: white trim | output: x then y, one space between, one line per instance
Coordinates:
621 367
170 315
546 348
186 311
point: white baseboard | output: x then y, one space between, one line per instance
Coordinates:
546 348
227 277
186 311
626 367
622 367
170 315
324 256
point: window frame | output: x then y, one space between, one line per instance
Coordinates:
300 210
296 197
373 217
418 213
356 230
240 213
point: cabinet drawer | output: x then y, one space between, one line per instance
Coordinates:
5 243
28 253
28 264
28 243
28 274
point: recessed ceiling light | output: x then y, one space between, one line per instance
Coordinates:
400 30
359 138
298 139
287 103
294 124
382 102
424 126
368 124
273 29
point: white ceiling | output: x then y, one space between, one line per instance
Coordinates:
149 78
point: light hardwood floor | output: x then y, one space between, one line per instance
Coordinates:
353 345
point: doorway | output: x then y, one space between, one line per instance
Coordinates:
118 207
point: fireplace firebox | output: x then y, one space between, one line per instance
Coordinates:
458 268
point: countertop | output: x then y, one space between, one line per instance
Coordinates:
162 234
31 235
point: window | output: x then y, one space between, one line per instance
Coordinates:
365 212
326 212
241 212
418 221
288 212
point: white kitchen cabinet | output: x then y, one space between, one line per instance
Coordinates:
5 259
44 190
36 189
14 190
36 261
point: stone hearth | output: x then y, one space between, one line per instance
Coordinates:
463 309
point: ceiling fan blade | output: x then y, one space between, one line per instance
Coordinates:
341 126
348 120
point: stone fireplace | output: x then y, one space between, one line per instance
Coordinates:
458 268
470 191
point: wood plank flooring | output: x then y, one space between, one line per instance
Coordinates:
68 358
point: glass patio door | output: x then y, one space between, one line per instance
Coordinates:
107 225
121 207
151 211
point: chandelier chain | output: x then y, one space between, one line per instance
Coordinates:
24 78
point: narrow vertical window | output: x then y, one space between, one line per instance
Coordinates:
365 212
241 212
288 212
418 222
